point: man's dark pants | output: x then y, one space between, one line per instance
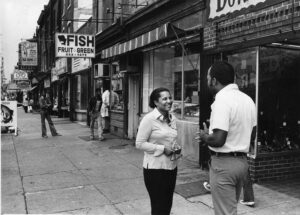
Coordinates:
46 115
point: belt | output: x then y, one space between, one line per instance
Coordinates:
233 154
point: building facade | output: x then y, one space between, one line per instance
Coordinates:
261 41
145 44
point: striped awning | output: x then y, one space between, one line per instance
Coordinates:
137 42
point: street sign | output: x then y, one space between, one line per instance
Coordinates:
74 45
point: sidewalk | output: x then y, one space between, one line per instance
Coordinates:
72 175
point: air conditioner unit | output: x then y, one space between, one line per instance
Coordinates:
101 70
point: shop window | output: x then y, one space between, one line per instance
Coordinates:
117 79
78 91
278 104
245 64
177 70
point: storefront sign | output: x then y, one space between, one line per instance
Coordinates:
23 85
46 83
54 75
79 64
20 75
218 8
28 53
74 45
9 114
61 66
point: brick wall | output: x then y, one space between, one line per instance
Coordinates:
210 36
275 166
272 20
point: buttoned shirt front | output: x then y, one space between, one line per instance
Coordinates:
153 135
235 112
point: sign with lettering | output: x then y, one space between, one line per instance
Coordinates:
20 75
28 53
54 75
79 64
61 66
47 83
218 8
74 45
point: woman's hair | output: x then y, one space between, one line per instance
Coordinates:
155 95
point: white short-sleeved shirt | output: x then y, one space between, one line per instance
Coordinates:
235 112
154 133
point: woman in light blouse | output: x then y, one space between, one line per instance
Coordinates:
157 136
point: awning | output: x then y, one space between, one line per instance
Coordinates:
165 31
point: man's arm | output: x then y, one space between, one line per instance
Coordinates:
216 139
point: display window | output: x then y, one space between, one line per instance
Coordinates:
177 70
81 90
245 67
279 104
117 79
270 76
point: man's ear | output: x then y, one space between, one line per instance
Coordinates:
214 81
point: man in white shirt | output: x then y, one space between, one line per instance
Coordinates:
232 125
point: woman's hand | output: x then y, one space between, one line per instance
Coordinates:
168 151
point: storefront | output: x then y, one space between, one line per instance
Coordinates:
166 56
63 87
54 87
161 51
267 70
81 69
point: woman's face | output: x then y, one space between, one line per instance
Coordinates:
164 102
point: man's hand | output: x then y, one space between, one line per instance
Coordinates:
201 135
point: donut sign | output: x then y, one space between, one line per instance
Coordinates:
74 45
218 8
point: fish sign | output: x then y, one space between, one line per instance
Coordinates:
9 114
74 45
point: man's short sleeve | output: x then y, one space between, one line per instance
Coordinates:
220 115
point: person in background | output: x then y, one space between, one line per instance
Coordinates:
157 135
46 105
25 104
248 193
232 122
95 104
105 108
30 104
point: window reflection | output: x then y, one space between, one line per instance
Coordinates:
168 64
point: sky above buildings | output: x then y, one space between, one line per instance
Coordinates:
18 21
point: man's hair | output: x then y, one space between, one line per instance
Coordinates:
98 90
155 95
223 72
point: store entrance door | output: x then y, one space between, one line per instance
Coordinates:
133 105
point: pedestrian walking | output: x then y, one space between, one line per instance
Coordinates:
232 121
157 137
46 105
94 108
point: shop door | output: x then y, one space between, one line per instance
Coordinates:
133 105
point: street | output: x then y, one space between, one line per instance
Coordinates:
71 175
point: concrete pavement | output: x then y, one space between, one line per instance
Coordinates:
71 175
